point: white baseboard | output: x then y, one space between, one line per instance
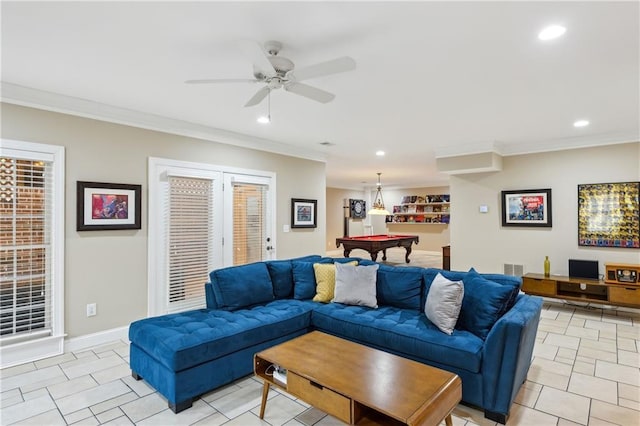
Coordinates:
79 343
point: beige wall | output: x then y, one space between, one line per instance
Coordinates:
110 267
478 240
335 215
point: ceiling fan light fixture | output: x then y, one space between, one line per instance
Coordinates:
377 207
266 119
551 32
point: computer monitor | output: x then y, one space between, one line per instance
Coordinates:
583 269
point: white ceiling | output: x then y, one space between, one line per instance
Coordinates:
431 77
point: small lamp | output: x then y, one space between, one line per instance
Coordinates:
378 203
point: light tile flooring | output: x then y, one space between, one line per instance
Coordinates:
585 371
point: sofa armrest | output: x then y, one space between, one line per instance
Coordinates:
507 354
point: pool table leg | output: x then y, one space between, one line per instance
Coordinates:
346 252
384 254
406 256
374 255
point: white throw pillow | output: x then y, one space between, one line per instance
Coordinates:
444 301
356 285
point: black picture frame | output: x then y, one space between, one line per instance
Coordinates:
609 215
527 208
304 213
108 206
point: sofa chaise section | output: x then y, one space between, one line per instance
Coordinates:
186 354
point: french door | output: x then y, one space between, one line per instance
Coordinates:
249 234
203 217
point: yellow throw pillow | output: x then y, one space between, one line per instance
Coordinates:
326 280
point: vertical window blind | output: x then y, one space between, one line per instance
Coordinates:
249 222
190 241
25 249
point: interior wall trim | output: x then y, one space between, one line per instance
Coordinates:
49 101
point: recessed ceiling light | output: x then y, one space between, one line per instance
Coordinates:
380 153
581 123
264 119
551 32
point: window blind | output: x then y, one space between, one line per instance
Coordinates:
249 222
26 194
190 241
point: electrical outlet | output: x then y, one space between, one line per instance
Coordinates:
91 309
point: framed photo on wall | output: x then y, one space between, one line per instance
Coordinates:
528 207
303 213
609 215
108 206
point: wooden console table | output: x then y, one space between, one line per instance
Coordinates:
582 290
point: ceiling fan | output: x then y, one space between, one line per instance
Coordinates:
278 72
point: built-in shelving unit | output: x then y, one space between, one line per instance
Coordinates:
431 209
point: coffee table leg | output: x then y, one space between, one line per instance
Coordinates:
447 420
265 393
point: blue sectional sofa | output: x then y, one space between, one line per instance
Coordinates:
255 306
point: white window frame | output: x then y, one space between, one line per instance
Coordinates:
51 345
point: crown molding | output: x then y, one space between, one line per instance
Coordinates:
50 101
534 147
561 144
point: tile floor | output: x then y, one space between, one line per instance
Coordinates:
585 371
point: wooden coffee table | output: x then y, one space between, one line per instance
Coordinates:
358 384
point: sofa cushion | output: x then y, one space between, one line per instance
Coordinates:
400 286
240 286
282 276
182 340
356 285
405 332
304 278
507 280
514 283
483 304
444 302
347 260
325 274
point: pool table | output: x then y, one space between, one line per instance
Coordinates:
374 243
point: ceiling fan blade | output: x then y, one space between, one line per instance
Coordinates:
324 68
223 80
309 92
258 97
258 57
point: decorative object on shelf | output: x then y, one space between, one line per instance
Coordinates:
622 273
378 203
107 206
547 266
357 209
428 209
528 207
303 213
609 215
